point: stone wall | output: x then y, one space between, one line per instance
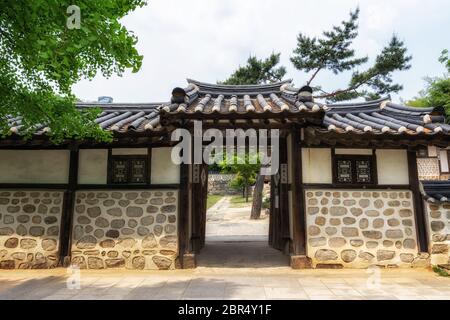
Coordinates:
439 232
29 228
133 229
220 184
359 228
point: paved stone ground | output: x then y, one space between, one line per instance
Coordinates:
234 224
226 283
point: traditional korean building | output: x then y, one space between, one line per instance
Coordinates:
346 193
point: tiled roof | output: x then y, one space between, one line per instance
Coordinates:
221 100
279 101
383 117
436 190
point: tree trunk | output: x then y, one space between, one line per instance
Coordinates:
257 197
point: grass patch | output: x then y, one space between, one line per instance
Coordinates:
440 271
239 202
212 200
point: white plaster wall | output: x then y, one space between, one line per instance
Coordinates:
392 166
163 169
93 166
34 166
316 165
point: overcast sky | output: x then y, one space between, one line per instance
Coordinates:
207 39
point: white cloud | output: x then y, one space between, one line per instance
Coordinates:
208 39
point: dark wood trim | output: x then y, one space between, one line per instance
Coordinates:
419 210
183 214
340 186
298 197
65 234
56 186
127 186
149 165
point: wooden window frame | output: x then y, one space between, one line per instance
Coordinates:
353 158
129 159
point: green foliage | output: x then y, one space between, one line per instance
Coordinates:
246 169
41 59
333 52
258 71
437 91
441 271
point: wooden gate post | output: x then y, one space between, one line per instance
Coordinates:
299 260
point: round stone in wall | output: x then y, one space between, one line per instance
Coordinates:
317 242
337 242
117 223
157 230
393 222
101 222
363 223
50 220
23 218
148 220
127 243
161 262
348 255
170 228
378 223
372 213
134 212
364 203
406 257
36 219
356 211
383 255
112 234
53 231
21 230
152 209
356 242
335 221
6 231
161 218
124 203
325 255
11 243
320 221
330 231
138 263
378 204
394 234
409 244
350 231
116 195
99 233
156 201
127 231
49 244
37 231
86 242
28 243
142 231
372 234
172 218
132 223
437 225
109 203
83 220
149 241
108 243
366 256
131 195
388 243
29 208
349 220
371 244
388 212
313 230
338 211
115 212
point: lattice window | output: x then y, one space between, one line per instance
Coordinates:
363 171
354 169
128 170
344 171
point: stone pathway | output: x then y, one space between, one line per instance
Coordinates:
224 223
226 283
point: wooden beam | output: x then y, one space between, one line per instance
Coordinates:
68 210
298 197
421 227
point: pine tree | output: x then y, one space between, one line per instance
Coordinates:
333 52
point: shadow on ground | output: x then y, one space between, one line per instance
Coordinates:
241 254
